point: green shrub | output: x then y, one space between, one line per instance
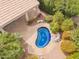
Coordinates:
73 56
75 36
59 5
71 7
32 56
68 7
10 46
54 27
58 17
49 18
66 35
68 46
67 25
47 5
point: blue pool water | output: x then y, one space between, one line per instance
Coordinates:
43 37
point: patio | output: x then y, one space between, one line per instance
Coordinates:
28 30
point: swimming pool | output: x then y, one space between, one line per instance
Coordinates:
43 37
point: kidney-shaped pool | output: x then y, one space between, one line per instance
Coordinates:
43 37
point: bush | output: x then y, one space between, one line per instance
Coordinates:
68 7
59 5
49 18
68 46
71 7
58 17
10 46
75 36
54 27
67 25
51 6
73 56
32 57
47 5
66 35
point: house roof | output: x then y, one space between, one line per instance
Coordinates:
12 9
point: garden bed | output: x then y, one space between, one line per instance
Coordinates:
63 17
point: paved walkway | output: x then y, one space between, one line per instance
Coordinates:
56 52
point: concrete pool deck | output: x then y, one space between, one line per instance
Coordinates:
28 30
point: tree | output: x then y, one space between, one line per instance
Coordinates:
67 25
68 46
54 27
10 46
